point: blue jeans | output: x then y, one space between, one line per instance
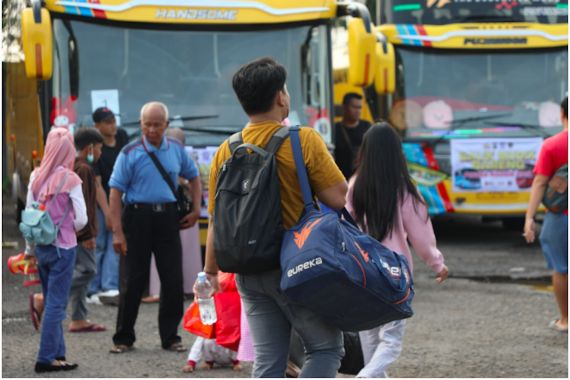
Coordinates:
56 271
554 241
107 277
270 316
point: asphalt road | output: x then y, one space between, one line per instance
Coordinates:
488 320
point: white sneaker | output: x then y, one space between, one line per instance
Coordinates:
109 293
93 299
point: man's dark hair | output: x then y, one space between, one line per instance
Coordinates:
564 106
257 83
349 96
86 136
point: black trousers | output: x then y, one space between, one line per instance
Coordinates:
149 232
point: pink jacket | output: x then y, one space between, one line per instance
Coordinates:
412 224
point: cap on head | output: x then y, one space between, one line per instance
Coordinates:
101 114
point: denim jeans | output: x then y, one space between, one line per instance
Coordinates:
56 271
554 241
270 316
107 277
381 346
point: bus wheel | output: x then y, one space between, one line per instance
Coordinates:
513 224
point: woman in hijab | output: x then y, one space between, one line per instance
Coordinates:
55 185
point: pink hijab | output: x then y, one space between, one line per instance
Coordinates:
59 158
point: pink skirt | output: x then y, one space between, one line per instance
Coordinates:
245 350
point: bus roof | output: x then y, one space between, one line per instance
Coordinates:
205 12
478 35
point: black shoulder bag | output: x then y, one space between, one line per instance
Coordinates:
184 204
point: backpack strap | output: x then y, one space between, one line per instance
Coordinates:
277 139
234 141
301 168
59 187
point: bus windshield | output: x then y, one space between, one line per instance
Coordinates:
441 12
190 71
447 89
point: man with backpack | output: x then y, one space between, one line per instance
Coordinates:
549 172
255 186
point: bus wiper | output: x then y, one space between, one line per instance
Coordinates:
524 126
175 118
210 130
459 123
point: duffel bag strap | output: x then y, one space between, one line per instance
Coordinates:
348 217
301 168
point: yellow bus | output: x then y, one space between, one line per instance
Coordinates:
474 88
122 53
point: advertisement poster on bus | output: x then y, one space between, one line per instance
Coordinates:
203 159
493 165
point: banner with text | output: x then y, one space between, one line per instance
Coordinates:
493 165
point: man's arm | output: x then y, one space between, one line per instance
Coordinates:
116 205
196 193
210 263
536 193
335 196
103 203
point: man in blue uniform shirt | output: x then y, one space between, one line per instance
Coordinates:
149 224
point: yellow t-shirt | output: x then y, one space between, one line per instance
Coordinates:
321 168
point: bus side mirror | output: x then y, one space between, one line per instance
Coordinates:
361 53
37 42
385 77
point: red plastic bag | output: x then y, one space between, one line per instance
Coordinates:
228 310
194 325
226 330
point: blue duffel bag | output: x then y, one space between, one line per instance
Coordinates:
344 276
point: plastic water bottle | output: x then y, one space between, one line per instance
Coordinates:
206 305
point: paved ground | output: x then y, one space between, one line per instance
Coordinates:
481 323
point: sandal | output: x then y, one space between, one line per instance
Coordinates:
554 326
176 347
121 348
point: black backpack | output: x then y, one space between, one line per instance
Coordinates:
247 218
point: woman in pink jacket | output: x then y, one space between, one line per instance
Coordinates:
386 204
55 184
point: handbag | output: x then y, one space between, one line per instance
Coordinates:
184 205
36 226
343 275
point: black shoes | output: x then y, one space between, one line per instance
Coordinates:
63 366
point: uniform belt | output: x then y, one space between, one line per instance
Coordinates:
155 207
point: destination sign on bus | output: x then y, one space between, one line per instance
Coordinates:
439 12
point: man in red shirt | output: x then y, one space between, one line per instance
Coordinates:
554 233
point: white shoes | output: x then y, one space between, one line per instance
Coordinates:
109 293
110 297
93 299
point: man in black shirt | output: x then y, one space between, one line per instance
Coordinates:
104 287
349 132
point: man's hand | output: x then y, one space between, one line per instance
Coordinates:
189 220
89 244
442 275
213 278
120 243
529 230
